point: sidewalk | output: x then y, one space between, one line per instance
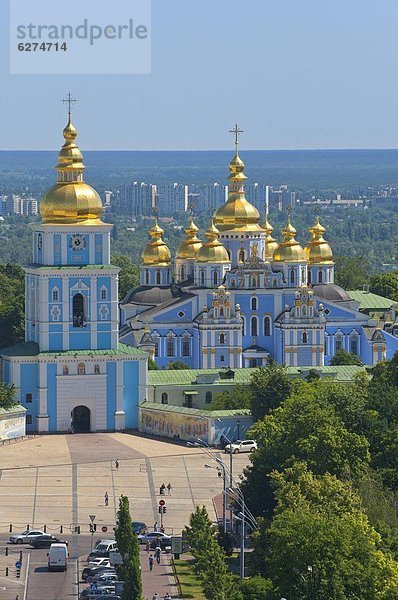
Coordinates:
160 579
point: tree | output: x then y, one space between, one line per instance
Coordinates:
127 543
269 387
385 284
152 365
351 272
342 357
177 365
237 398
129 273
7 396
12 305
257 588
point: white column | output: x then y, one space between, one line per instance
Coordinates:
65 313
120 415
42 417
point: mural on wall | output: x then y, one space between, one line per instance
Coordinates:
173 425
12 427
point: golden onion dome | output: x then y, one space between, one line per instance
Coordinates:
156 253
212 251
318 249
289 250
237 213
71 200
192 244
270 243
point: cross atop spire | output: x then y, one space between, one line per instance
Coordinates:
236 131
69 100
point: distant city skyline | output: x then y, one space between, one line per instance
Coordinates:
293 75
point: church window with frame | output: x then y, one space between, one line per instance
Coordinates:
104 293
267 326
254 303
222 338
208 397
186 345
97 369
81 369
241 256
215 278
292 276
170 345
320 277
28 398
354 344
55 294
65 370
253 326
165 398
147 277
157 277
304 337
202 278
79 312
338 343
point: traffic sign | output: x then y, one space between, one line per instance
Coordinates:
162 502
18 564
92 518
104 529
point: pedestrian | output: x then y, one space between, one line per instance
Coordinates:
155 526
148 546
162 529
158 552
155 596
162 489
167 596
150 562
169 489
17 597
117 464
106 499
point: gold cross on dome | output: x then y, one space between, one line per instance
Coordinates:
236 131
69 100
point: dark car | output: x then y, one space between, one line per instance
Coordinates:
139 527
91 572
45 541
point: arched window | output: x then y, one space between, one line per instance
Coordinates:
338 343
215 278
170 345
81 369
292 276
165 398
320 277
267 326
168 276
157 277
309 276
253 325
354 344
96 369
208 397
241 257
156 344
222 338
182 273
55 295
79 316
302 276
304 337
147 277
254 303
65 370
202 278
186 345
221 311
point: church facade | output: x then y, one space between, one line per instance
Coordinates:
72 372
240 298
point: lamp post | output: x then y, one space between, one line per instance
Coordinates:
220 469
246 517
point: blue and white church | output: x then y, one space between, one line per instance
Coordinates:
72 372
241 298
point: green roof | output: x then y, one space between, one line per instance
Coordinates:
32 349
17 408
195 412
187 377
369 301
69 267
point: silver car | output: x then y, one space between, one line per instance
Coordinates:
26 536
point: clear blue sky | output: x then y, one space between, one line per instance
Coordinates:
292 73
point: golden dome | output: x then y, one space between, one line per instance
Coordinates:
289 250
71 200
212 251
192 244
270 243
156 252
318 249
237 213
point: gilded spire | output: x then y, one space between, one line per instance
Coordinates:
156 252
270 243
212 251
71 200
237 213
191 245
318 249
289 249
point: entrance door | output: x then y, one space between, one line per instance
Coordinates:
81 419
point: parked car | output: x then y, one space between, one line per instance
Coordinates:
99 560
90 592
139 528
153 536
58 557
45 541
241 446
106 577
93 571
26 536
102 550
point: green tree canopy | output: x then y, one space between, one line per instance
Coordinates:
385 284
351 272
129 273
7 396
269 387
237 398
127 543
342 357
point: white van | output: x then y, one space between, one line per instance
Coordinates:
58 557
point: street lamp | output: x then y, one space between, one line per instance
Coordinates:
246 516
224 493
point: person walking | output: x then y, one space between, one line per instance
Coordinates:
162 489
158 552
155 596
150 562
169 489
117 464
167 596
106 499
155 526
